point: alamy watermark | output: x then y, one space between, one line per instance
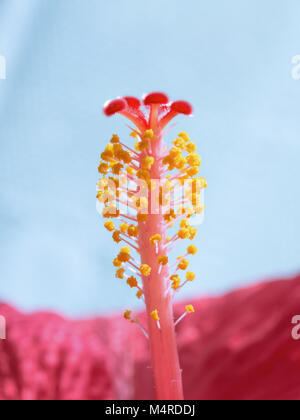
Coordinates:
170 197
296 329
296 67
2 328
2 67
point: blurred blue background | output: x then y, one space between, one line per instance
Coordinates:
231 60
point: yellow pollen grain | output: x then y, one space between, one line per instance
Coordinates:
116 236
163 260
148 162
183 233
109 226
103 168
190 309
190 276
125 250
183 265
145 270
120 273
192 249
148 135
184 136
154 315
124 257
124 227
115 139
132 282
155 238
133 231
117 263
127 315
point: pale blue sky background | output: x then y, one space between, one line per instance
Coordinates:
231 59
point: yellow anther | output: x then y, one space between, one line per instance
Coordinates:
108 153
180 163
142 217
109 226
194 170
183 265
117 148
103 168
192 232
190 309
116 236
110 211
134 135
124 227
155 238
124 256
190 276
132 282
125 250
175 281
175 153
117 168
183 233
133 231
194 159
107 197
127 315
139 294
120 273
145 270
192 249
163 260
141 145
143 174
184 223
168 239
191 147
117 263
184 136
125 157
148 135
154 315
130 170
180 143
148 162
115 139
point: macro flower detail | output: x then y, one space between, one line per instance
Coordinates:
149 193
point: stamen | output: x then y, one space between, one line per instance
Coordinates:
189 309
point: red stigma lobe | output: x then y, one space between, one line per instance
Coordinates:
182 107
132 102
114 106
156 98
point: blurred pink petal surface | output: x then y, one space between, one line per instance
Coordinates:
238 347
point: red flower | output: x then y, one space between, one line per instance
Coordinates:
235 347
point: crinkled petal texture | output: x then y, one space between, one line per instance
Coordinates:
237 347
